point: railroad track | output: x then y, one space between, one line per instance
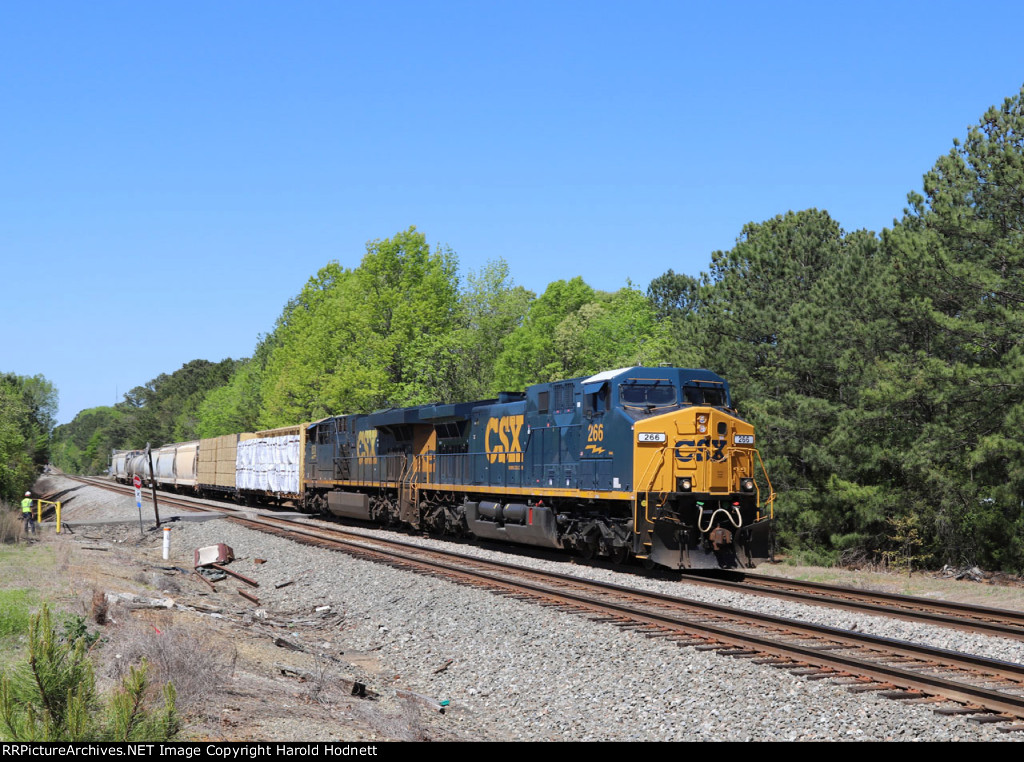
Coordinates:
961 616
987 689
966 617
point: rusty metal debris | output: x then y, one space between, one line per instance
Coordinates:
213 554
246 580
204 579
249 596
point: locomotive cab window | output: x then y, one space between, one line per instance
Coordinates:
596 403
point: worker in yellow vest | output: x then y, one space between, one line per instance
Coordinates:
26 513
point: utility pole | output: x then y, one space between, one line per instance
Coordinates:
152 481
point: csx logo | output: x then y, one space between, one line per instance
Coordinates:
702 449
366 444
501 439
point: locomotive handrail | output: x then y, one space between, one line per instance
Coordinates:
770 501
663 450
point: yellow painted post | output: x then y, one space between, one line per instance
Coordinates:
39 512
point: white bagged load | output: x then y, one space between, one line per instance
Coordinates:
268 464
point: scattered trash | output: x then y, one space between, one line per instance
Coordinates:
210 575
246 580
213 554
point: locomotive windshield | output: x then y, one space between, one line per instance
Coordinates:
648 395
702 395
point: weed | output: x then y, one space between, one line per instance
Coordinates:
16 612
11 525
175 654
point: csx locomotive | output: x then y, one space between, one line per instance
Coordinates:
646 463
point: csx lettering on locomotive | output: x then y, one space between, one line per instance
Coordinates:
502 441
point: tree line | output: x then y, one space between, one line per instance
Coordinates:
883 371
28 407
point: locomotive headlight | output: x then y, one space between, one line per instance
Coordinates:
702 418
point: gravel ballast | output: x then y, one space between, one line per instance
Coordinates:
523 672
513 670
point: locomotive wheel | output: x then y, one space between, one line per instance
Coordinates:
620 554
587 549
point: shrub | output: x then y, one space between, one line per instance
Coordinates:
53 697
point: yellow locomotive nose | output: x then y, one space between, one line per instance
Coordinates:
697 495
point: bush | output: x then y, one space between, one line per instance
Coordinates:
53 697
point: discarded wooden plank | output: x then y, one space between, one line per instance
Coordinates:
279 585
206 608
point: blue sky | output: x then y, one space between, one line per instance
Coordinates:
172 173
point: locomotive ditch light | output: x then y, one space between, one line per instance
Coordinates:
747 485
684 484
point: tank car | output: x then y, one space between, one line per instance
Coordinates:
651 463
119 460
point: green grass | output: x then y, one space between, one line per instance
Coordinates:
16 607
26 571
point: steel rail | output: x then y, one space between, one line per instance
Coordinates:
962 616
